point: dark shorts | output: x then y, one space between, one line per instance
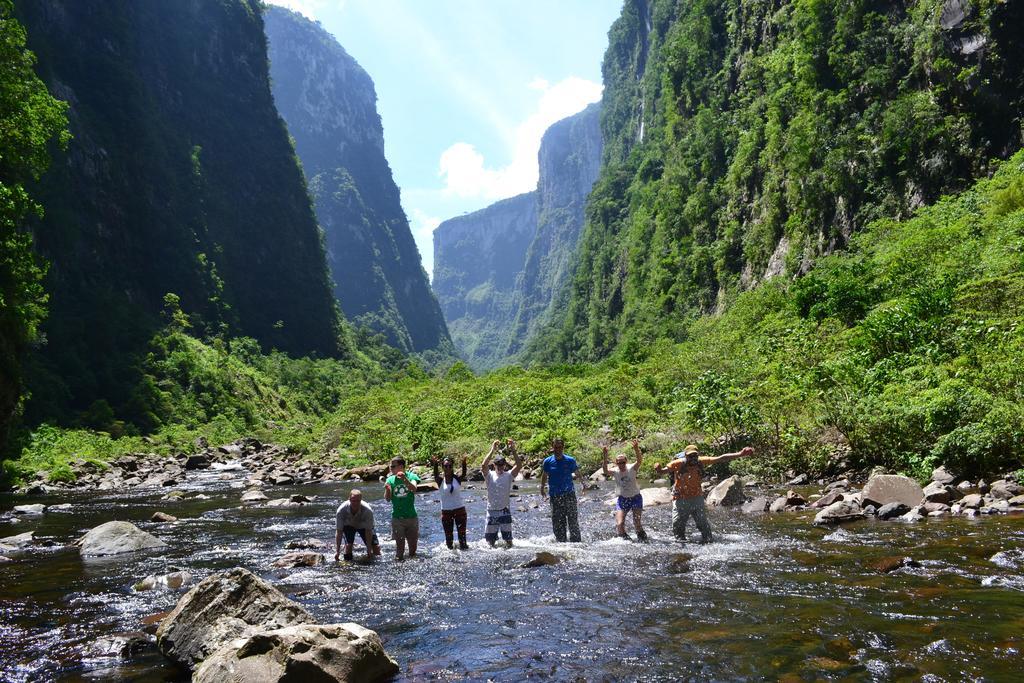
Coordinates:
626 504
349 532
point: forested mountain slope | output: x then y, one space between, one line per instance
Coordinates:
180 178
497 270
330 105
744 139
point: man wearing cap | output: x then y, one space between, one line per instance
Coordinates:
354 516
688 469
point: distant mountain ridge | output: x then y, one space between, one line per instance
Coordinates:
497 271
330 105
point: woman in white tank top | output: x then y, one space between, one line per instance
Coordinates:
453 509
627 491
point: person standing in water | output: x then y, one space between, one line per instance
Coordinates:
400 491
560 469
687 496
354 516
627 491
499 489
453 510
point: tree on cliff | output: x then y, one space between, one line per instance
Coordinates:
29 120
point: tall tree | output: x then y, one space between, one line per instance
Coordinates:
30 118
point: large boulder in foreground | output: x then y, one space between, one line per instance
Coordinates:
115 538
234 626
306 652
220 608
729 492
883 489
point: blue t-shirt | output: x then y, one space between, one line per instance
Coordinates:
560 473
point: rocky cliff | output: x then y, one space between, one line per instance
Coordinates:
181 179
744 139
330 105
497 271
478 259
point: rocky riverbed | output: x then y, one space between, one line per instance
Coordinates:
777 596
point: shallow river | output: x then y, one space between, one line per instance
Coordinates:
774 599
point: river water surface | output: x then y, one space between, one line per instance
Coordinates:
773 599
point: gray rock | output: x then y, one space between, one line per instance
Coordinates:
115 538
916 514
833 497
36 509
838 485
971 501
964 487
18 542
200 461
891 488
1016 501
283 480
729 492
656 496
220 608
119 646
305 652
839 513
172 581
936 492
299 559
306 544
983 486
892 510
1005 490
756 506
162 517
253 497
941 475
929 508
798 480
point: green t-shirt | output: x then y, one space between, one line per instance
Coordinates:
403 503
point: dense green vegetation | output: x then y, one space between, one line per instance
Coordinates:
29 119
181 179
904 352
743 139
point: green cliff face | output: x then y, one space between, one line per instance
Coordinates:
745 139
181 179
330 106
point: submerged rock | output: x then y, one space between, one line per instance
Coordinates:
729 492
115 538
542 559
162 517
119 646
172 581
306 544
305 652
839 513
890 564
892 488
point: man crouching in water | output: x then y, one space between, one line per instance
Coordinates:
687 496
354 516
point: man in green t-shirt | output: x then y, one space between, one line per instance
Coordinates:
400 490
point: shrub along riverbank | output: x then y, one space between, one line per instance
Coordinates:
906 351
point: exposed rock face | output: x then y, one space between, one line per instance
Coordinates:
892 488
306 652
497 271
330 105
477 262
179 177
115 538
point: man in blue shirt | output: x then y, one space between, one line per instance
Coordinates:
560 469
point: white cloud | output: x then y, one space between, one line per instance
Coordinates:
423 226
467 174
307 8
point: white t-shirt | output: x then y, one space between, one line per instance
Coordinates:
625 482
499 488
451 494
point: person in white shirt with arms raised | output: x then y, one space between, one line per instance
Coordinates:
628 491
499 489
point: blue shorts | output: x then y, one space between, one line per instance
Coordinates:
626 504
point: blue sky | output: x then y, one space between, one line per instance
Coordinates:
466 88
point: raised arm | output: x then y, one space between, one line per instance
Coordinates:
437 473
518 458
485 467
639 454
604 461
726 457
409 483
